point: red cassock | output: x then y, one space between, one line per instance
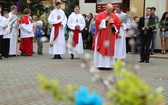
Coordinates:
26 44
106 34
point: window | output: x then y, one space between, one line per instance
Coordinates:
90 1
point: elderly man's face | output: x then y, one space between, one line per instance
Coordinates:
109 10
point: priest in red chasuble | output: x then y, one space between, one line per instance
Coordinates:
26 34
107 29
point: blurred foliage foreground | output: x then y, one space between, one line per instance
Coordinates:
124 88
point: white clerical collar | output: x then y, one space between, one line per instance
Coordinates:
147 16
76 13
57 9
88 19
119 12
12 13
4 17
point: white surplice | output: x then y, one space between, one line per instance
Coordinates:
120 46
73 20
59 46
1 24
26 30
13 40
99 59
6 32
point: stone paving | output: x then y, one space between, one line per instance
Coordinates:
159 55
19 85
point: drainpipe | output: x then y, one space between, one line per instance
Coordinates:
144 7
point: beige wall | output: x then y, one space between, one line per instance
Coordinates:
160 9
167 6
50 2
86 8
91 7
139 4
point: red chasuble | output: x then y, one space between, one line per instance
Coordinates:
105 34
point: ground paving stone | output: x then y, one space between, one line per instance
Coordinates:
19 85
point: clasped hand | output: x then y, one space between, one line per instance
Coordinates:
145 28
6 26
108 18
58 17
110 21
77 27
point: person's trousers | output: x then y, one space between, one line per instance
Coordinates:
153 41
40 46
89 44
5 48
136 39
128 47
145 44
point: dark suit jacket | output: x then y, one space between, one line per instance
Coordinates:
88 23
151 24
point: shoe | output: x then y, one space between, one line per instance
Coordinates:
101 68
55 57
147 61
12 55
1 58
22 54
151 53
108 68
40 53
5 56
141 61
164 52
72 56
59 57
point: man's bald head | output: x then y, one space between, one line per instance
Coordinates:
109 8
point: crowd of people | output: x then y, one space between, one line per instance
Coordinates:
8 32
107 33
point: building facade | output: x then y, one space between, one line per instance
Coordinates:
49 3
89 6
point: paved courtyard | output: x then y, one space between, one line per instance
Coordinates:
19 85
